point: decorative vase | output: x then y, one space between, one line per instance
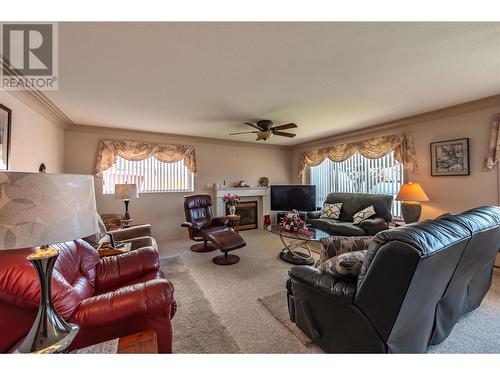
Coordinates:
232 210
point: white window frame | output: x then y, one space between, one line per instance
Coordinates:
358 179
164 178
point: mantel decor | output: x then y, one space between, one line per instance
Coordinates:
372 148
450 158
109 150
5 125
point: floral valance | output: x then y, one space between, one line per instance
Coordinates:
109 150
372 148
493 155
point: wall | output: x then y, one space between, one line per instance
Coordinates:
217 160
455 193
34 139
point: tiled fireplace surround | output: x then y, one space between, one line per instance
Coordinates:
259 194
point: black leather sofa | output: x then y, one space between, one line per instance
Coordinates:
352 203
415 283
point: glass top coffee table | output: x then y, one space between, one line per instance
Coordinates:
292 241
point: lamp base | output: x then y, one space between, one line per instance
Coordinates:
411 211
49 333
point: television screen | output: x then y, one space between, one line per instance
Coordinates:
289 197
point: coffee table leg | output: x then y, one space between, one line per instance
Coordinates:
294 257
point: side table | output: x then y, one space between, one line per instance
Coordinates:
106 251
234 222
139 343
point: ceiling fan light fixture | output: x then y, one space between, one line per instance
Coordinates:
264 136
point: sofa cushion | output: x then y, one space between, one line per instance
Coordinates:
354 202
330 211
336 245
335 227
364 214
344 265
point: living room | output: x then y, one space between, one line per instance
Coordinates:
260 188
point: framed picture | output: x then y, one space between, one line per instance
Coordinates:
450 158
5 120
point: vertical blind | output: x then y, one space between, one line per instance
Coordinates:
150 175
359 175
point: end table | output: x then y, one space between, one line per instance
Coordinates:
234 222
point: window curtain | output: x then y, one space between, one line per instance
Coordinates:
493 155
372 148
109 150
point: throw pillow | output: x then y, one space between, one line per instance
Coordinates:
335 245
344 265
330 211
363 214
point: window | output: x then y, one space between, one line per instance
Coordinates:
359 175
150 175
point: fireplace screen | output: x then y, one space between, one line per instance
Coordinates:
248 214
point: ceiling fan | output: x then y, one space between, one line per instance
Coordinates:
265 129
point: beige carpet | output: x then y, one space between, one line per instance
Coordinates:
233 293
236 321
197 329
276 304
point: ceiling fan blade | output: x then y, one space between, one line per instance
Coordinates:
284 134
243 133
253 125
285 126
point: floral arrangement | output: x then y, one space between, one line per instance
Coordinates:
231 199
292 222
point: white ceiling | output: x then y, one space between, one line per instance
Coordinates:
205 79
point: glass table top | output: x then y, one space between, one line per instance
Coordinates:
317 234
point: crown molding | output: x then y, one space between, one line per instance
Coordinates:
37 101
150 136
454 110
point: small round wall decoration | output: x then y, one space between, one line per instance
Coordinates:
263 182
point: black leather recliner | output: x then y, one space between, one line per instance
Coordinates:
415 283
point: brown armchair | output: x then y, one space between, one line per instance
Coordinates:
138 235
200 223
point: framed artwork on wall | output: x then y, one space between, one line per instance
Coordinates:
5 124
450 158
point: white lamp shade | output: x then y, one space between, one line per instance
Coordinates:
43 209
126 191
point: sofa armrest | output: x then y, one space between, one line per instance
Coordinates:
116 270
373 226
139 242
327 283
132 232
313 215
220 220
144 300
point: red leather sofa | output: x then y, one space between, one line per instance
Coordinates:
108 298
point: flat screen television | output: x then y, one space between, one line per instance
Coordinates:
289 197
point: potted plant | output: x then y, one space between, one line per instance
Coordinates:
231 200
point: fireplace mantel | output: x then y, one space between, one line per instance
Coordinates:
260 194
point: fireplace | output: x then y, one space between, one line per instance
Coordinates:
248 214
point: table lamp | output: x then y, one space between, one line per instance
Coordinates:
36 211
411 194
126 192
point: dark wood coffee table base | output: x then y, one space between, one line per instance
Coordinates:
202 248
226 259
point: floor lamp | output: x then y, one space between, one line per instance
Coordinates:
36 211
